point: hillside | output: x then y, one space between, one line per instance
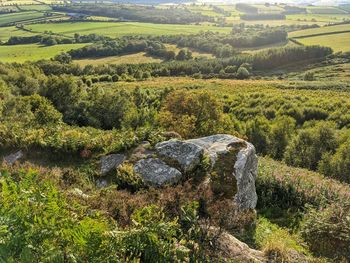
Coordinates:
183 132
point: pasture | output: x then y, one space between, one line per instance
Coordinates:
338 42
7 32
321 30
35 7
325 10
118 29
319 18
19 16
33 52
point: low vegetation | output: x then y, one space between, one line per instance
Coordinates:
79 81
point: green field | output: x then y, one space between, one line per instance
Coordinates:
203 9
138 58
338 42
321 30
33 52
271 9
325 10
36 7
19 16
6 32
319 18
117 29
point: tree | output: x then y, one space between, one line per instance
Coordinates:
191 114
63 58
309 146
242 73
65 92
258 133
281 132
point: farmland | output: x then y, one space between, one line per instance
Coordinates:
108 81
113 30
325 10
322 30
18 17
342 42
33 52
7 32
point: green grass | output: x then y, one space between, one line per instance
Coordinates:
19 16
117 29
36 7
138 58
321 30
33 52
325 10
319 18
204 10
6 32
338 42
272 9
8 8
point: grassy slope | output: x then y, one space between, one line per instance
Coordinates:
321 30
338 42
6 32
126 59
33 52
325 10
123 28
19 16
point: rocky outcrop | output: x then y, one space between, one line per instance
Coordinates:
186 155
156 172
237 157
232 170
13 158
230 248
110 162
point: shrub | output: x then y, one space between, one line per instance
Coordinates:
308 147
127 178
191 114
327 230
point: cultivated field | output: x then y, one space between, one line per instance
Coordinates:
33 52
117 29
319 19
338 42
325 10
321 30
19 16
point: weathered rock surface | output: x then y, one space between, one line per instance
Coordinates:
13 158
244 165
185 154
110 162
232 249
156 172
246 169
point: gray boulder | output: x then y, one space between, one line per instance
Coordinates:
156 172
13 158
110 162
237 157
186 155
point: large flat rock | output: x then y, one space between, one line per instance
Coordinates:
155 172
186 155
